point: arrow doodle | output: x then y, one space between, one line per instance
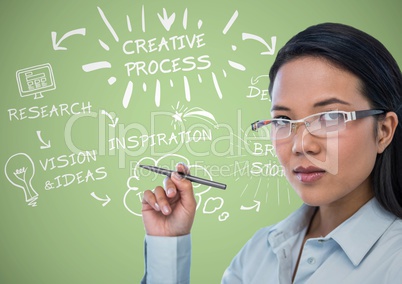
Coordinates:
56 44
114 120
166 21
255 81
106 200
257 206
271 49
45 145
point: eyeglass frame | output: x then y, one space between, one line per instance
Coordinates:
348 115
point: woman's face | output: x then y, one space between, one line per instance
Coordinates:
324 171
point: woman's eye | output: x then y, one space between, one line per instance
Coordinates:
330 116
280 122
282 117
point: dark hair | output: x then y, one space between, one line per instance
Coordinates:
359 53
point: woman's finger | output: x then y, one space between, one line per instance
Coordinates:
170 187
185 188
162 200
150 199
182 168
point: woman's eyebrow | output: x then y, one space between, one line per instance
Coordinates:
317 104
279 107
329 102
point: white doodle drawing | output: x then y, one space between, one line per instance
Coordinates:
237 65
212 205
181 113
35 80
20 170
248 36
166 21
45 145
257 79
109 115
256 206
96 66
216 84
230 23
199 24
270 49
259 190
233 64
266 176
56 44
197 65
199 188
259 91
143 18
108 25
126 202
185 16
136 177
104 200
168 160
127 94
224 216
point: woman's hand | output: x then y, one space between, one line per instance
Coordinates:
170 211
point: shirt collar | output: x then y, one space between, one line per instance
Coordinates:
291 226
357 235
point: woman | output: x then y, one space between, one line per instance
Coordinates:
336 100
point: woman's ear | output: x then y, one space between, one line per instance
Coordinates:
385 130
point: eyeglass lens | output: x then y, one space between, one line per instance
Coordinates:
318 125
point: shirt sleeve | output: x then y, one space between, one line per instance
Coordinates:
167 260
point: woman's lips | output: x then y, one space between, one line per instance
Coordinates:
309 174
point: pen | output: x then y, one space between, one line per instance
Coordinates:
189 177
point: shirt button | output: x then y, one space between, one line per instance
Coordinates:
311 260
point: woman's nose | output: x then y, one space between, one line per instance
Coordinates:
304 142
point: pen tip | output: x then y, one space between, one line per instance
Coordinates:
145 167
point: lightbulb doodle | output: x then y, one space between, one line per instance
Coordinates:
132 199
20 170
155 45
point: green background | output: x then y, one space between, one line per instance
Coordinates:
69 237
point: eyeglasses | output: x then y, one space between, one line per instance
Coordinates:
319 124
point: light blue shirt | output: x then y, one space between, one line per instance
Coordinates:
366 248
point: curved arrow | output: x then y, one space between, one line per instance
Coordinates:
114 121
255 81
56 44
271 49
106 201
257 206
45 145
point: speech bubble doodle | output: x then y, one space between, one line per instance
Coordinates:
212 205
167 161
223 217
